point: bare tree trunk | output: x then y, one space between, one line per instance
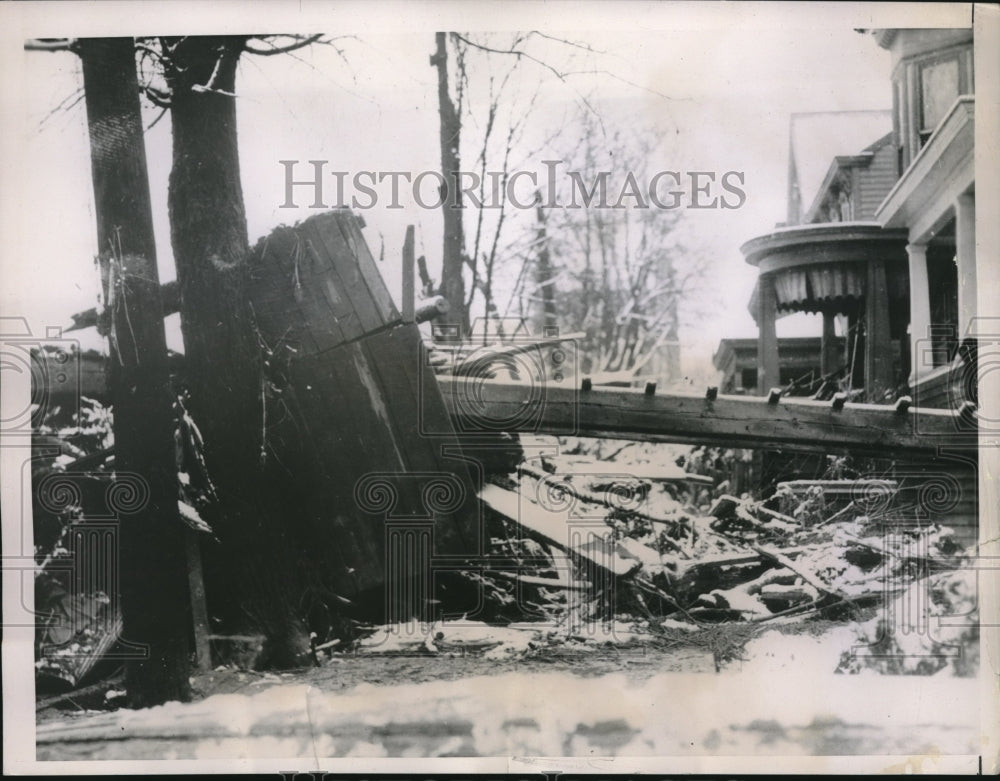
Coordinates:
153 578
452 262
255 566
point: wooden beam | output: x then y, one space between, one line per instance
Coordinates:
170 297
733 421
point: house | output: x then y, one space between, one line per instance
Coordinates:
882 237
880 240
833 258
934 200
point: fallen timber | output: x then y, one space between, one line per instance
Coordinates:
731 421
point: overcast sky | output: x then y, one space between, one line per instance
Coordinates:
723 84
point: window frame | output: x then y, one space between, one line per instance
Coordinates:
954 55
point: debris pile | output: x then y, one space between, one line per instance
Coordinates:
584 541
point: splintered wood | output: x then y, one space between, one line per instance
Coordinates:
737 559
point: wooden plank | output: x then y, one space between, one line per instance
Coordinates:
597 499
534 580
328 242
170 299
350 226
285 304
733 421
806 575
348 299
394 356
579 466
337 237
333 460
588 540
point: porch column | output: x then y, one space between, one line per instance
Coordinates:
878 346
829 358
965 258
767 340
920 313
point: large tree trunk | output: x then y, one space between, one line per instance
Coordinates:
452 262
253 573
153 580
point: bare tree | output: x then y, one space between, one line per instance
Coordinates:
453 250
623 272
499 128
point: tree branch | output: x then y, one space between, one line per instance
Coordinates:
299 43
513 50
50 45
158 97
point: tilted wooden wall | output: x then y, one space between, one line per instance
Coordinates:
382 498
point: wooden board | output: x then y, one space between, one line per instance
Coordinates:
587 540
316 285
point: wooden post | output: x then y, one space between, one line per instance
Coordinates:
767 342
856 343
920 313
199 609
154 589
878 346
409 265
830 357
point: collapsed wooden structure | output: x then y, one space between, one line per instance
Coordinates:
398 448
393 449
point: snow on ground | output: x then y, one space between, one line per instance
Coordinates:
792 712
774 652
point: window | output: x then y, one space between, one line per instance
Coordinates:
898 125
939 86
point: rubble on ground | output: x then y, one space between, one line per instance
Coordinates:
649 546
